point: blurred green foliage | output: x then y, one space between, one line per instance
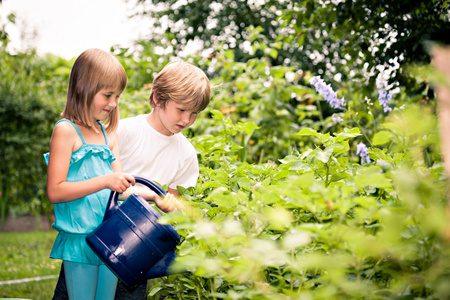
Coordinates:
28 111
317 224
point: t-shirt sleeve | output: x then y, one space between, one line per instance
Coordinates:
187 176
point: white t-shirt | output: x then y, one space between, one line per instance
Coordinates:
168 160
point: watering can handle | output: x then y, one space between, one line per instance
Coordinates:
112 203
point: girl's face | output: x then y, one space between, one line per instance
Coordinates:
105 101
174 118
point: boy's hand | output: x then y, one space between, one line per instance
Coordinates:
168 203
146 193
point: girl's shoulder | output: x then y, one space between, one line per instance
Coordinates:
66 133
65 128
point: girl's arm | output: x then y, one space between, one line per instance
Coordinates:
62 144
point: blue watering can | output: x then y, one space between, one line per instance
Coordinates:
131 242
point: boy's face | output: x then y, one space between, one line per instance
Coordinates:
175 117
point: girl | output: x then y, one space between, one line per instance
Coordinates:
83 168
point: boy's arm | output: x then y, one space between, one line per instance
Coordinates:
173 192
167 204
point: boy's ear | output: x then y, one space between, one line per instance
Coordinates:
153 103
155 100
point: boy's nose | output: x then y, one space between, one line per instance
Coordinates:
186 117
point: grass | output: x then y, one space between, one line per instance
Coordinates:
26 255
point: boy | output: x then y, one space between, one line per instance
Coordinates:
153 146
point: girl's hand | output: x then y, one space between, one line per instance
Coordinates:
119 181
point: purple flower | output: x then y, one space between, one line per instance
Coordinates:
326 91
336 118
361 150
383 96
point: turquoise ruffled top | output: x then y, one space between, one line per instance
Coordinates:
76 219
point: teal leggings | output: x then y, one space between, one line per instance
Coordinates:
89 281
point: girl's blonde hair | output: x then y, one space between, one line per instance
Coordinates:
182 83
92 71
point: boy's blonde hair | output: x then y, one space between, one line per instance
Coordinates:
92 71
182 83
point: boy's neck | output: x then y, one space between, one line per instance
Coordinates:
154 121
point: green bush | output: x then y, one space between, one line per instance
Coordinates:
317 224
27 116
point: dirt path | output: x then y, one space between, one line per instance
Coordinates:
26 223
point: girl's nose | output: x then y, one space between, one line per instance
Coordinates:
113 103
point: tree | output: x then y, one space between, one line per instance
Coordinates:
214 22
352 38
373 35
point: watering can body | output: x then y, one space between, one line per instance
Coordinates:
131 242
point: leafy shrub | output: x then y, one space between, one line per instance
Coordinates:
27 116
318 224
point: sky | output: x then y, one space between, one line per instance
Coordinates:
68 27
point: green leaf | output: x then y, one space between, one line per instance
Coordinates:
300 166
288 159
309 131
382 137
223 197
217 114
155 289
272 52
372 176
324 156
